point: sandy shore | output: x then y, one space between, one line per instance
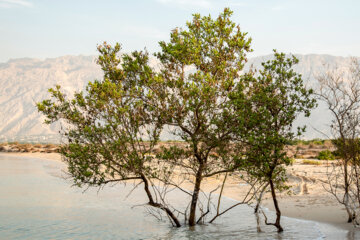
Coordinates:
309 199
49 156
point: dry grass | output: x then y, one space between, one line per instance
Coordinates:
311 162
50 146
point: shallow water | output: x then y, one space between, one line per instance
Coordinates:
36 202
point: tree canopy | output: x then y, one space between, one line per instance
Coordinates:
228 121
275 96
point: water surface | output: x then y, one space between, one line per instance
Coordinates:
36 202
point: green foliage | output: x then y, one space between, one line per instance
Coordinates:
292 161
215 52
326 155
275 96
107 122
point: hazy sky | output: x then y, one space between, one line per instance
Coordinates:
51 28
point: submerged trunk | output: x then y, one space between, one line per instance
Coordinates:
159 205
276 205
356 220
257 207
346 194
195 196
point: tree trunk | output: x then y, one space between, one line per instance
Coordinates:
159 205
278 212
256 210
357 181
195 196
346 194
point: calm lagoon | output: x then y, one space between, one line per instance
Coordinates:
37 202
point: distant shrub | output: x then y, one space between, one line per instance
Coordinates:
311 162
336 154
292 161
326 155
317 141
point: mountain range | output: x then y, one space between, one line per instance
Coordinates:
25 81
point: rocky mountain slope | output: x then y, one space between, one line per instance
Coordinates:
23 82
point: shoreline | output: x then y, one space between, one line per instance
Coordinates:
313 205
321 212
